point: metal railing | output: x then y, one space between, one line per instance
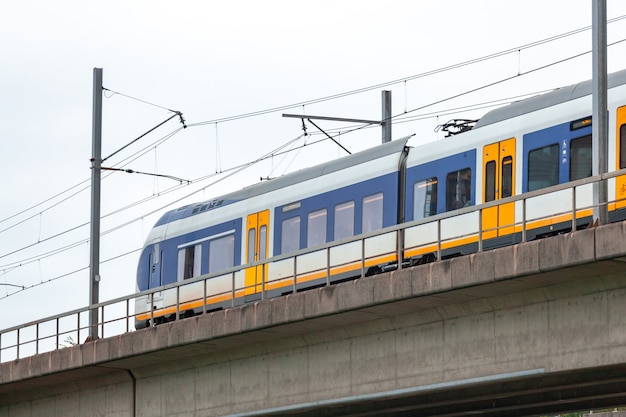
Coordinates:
118 316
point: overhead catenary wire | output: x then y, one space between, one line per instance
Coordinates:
67 274
137 99
408 78
516 49
417 76
140 136
276 152
232 171
243 166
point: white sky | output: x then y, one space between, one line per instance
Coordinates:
215 59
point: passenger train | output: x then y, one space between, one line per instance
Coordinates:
525 146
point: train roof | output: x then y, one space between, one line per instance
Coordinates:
541 101
296 177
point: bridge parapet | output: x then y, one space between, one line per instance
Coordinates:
553 308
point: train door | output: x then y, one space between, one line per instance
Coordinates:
155 267
620 140
156 276
499 183
257 228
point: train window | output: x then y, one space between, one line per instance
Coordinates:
507 177
425 198
622 147
189 262
580 158
251 242
290 235
490 181
262 242
458 189
372 213
344 220
222 253
316 228
543 167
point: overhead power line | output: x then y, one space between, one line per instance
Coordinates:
136 99
340 95
404 79
277 151
327 98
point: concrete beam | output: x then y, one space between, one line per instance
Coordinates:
553 305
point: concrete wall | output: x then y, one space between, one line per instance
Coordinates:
574 325
110 395
538 308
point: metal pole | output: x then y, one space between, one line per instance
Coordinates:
94 247
386 117
599 116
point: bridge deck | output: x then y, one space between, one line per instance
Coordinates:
565 274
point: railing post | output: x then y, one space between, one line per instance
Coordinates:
151 307
37 339
573 209
232 302
262 281
204 296
295 270
177 303
480 230
18 343
127 314
438 239
295 266
328 266
524 220
400 248
102 322
362 258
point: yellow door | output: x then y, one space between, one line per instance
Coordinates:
257 227
499 183
620 135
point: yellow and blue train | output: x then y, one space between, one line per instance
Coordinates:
525 146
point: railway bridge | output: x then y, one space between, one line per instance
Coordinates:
539 327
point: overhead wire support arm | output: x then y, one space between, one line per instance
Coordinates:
131 171
330 137
176 114
182 120
332 119
13 285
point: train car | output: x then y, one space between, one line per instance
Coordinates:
332 201
523 147
526 146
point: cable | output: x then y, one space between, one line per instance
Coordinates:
41 203
473 90
401 80
24 288
387 84
137 99
141 136
360 127
26 261
327 98
276 152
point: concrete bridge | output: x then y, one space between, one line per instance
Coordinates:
539 327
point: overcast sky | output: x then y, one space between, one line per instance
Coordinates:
212 60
